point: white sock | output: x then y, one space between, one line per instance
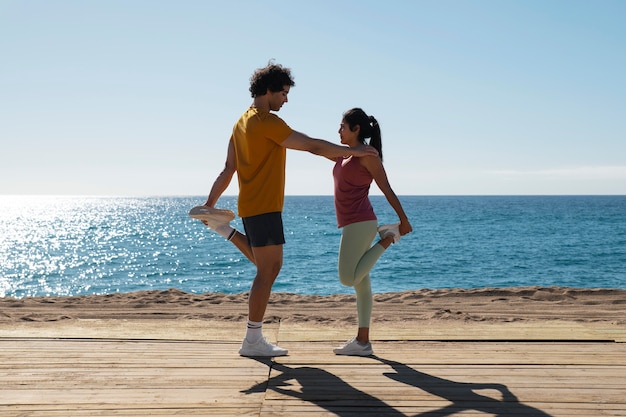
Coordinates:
254 331
225 230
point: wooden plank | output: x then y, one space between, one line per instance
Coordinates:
138 374
618 334
485 378
475 331
161 329
134 412
435 409
95 377
459 353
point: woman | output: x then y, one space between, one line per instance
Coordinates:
355 215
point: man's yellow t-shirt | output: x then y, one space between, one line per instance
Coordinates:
260 158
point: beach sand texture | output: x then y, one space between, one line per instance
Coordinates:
519 351
474 305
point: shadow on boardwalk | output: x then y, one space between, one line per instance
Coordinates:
333 394
462 395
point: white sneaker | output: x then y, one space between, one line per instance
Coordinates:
392 230
211 216
261 348
354 348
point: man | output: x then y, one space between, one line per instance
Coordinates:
257 153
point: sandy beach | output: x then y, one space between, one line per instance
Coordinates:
496 305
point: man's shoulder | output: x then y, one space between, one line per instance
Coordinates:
263 117
262 114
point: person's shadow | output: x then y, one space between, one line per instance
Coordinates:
462 395
321 388
330 392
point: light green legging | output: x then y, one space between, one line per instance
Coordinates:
356 258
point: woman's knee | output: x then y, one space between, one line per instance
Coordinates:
346 279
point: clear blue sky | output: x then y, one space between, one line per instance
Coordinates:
138 97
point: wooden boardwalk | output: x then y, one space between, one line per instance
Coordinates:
82 368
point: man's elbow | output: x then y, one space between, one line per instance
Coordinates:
229 170
315 147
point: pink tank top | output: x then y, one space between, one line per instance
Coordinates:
352 184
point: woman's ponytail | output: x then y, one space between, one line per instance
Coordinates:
376 140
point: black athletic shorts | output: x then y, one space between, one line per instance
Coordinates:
264 229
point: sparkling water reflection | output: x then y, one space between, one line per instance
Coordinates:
99 245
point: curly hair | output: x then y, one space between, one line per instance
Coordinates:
273 77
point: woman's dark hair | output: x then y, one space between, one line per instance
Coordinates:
273 77
369 128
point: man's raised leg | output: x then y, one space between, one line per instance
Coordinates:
241 242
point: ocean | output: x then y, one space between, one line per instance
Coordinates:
66 246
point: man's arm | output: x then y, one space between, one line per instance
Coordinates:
301 142
223 179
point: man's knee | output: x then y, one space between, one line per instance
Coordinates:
270 273
265 277
269 260
269 270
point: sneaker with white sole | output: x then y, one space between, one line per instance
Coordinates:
392 230
211 216
354 348
261 348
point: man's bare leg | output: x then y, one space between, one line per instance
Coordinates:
241 242
269 261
